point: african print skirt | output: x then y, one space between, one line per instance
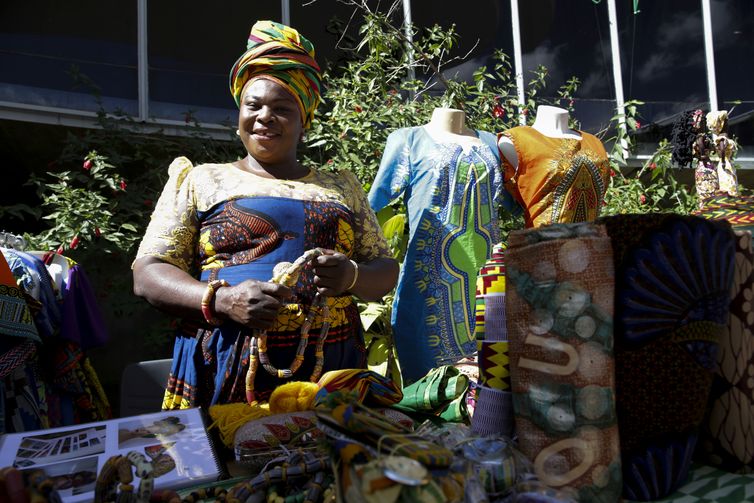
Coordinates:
210 365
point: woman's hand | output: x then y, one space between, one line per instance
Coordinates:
253 304
333 273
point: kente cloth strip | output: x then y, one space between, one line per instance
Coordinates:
737 210
557 180
559 304
218 222
673 278
365 386
727 434
279 52
453 194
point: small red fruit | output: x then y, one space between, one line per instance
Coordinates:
643 199
87 165
75 242
498 111
123 185
97 232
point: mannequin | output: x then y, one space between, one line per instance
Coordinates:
550 121
556 174
450 179
449 124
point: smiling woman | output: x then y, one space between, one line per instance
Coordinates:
219 230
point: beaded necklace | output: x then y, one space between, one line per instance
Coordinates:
287 273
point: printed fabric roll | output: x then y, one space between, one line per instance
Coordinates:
727 436
559 304
673 276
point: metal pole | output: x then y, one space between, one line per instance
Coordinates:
617 74
410 36
142 63
710 55
285 15
518 62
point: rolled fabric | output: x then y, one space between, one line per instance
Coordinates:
559 304
727 435
280 53
493 414
673 276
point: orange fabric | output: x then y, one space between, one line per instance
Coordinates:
558 180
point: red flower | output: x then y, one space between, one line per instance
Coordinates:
498 111
97 232
642 199
87 165
612 173
358 109
123 185
330 161
75 242
652 165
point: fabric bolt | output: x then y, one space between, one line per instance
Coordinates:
559 303
215 221
493 412
727 435
452 193
557 180
673 277
490 298
282 54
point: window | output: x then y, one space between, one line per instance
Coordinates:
51 52
191 50
571 39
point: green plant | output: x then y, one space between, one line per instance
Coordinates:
652 188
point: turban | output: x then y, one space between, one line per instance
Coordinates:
281 54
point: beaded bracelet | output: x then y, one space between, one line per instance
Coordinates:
355 276
209 294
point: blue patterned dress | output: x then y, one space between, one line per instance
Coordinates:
453 193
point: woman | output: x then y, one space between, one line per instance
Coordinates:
229 224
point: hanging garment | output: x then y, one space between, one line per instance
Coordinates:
453 193
557 180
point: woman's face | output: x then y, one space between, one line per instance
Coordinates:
269 122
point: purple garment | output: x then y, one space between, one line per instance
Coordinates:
82 319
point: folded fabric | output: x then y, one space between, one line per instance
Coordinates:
368 387
673 276
435 391
559 305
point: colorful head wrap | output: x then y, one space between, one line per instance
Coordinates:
281 54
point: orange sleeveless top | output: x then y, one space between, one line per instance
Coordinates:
558 180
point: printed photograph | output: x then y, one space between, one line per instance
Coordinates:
144 432
52 448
